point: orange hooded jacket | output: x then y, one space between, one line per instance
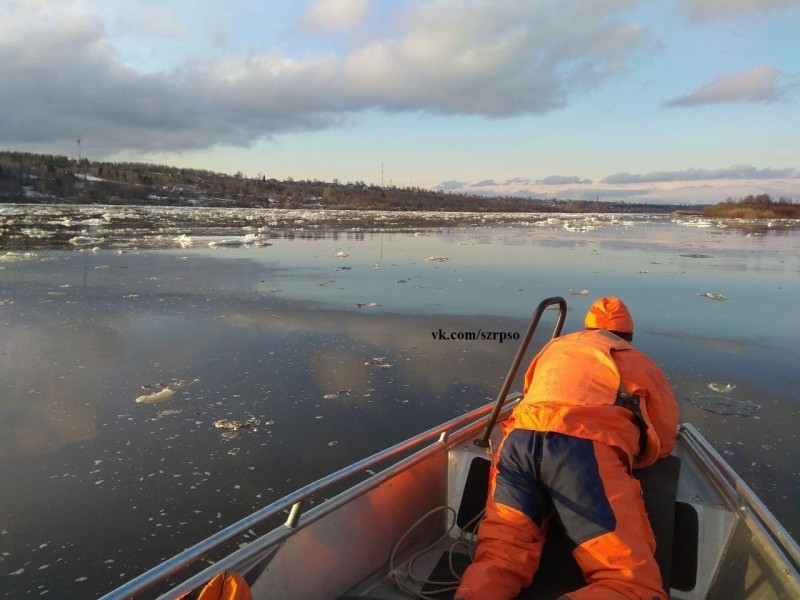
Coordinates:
572 385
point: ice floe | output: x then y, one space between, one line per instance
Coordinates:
725 405
712 296
366 304
168 412
722 388
244 240
16 256
84 240
184 240
339 394
232 425
378 361
164 390
159 396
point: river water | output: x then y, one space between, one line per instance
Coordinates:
127 333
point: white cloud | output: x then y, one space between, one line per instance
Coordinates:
64 75
335 15
762 84
492 59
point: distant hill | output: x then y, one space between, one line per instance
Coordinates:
44 178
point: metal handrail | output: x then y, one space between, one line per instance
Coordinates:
483 441
739 495
294 500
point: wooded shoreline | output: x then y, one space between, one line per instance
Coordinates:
42 178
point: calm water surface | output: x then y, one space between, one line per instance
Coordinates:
204 315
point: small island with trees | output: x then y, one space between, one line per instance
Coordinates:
761 206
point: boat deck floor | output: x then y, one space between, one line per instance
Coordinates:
558 572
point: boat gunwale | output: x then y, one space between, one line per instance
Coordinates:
293 501
738 496
741 499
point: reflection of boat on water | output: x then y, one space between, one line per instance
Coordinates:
399 525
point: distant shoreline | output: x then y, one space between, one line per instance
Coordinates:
27 178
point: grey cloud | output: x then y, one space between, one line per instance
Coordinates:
761 84
714 9
62 77
452 185
484 183
518 181
561 180
734 172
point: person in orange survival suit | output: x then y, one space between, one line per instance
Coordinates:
594 409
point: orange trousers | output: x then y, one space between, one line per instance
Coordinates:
538 474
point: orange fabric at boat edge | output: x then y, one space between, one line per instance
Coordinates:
225 586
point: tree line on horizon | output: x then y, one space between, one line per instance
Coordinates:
754 206
44 178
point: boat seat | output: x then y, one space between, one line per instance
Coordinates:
558 572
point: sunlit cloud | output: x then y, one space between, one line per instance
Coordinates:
63 76
761 84
335 15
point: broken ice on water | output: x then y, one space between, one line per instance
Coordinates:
339 394
184 240
245 240
378 361
365 305
168 412
722 388
159 396
164 390
233 425
725 405
85 240
16 256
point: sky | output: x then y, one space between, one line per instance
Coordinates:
680 101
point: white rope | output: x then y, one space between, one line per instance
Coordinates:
402 576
